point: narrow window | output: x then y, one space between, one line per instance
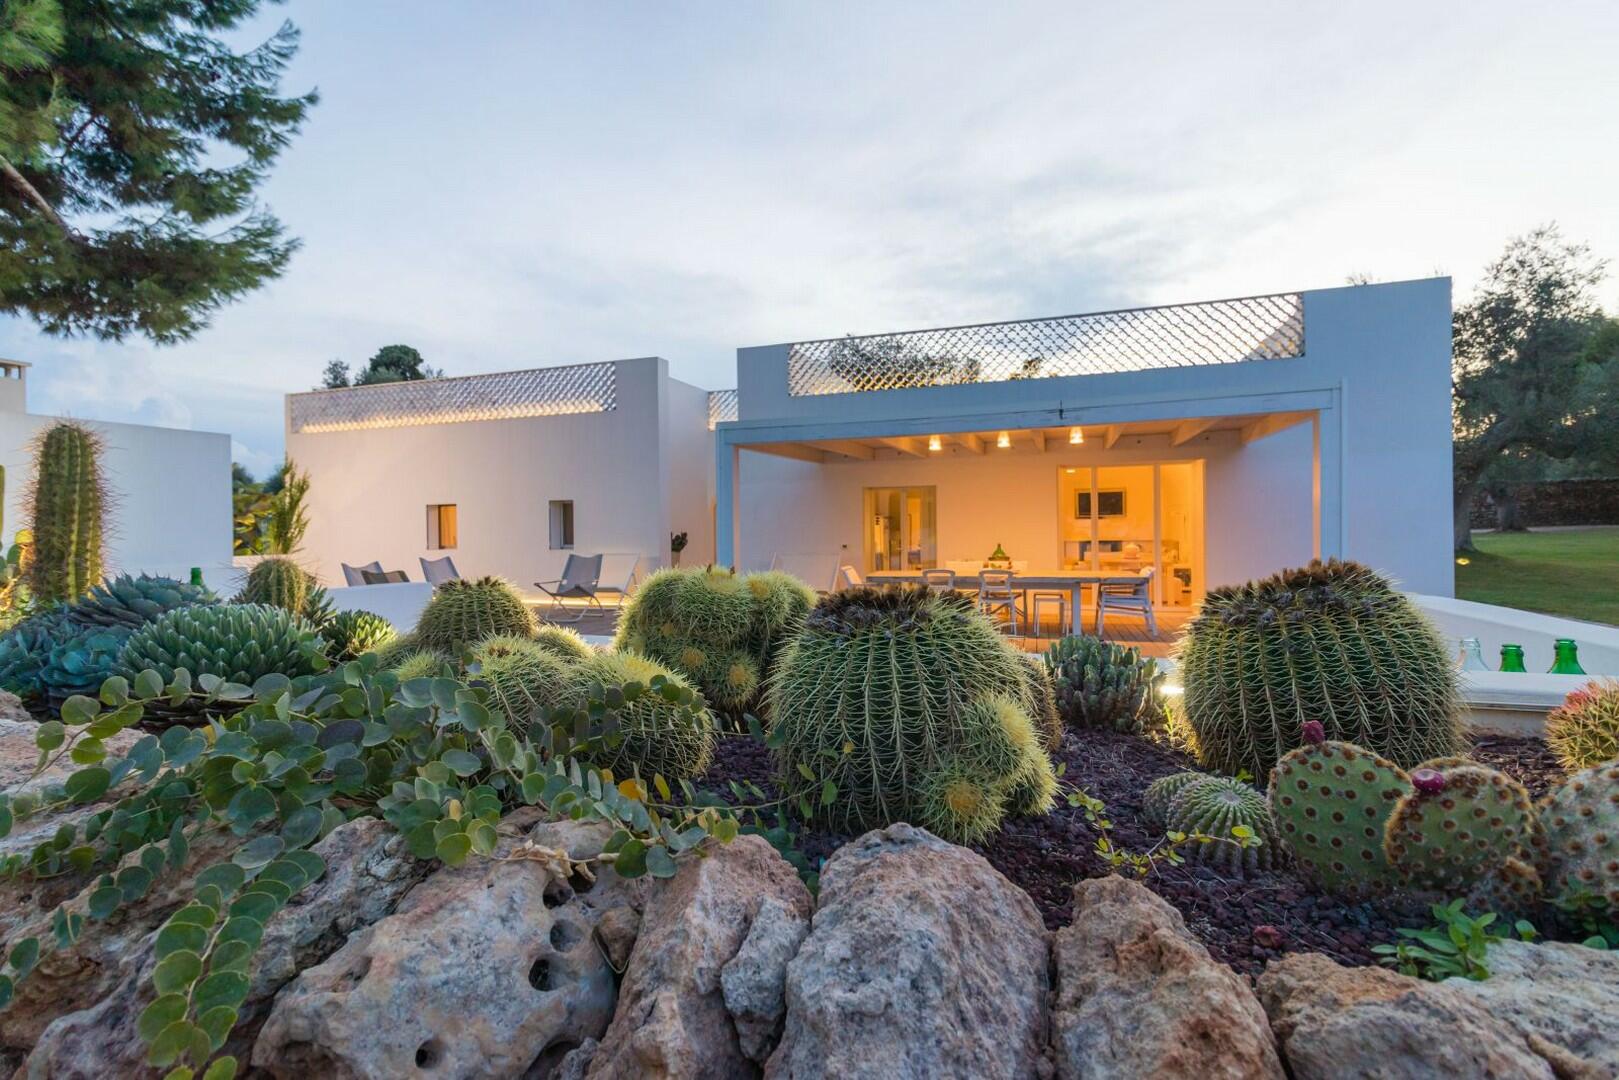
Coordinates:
441 531
561 523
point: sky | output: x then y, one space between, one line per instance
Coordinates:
511 184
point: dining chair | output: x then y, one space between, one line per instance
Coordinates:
1126 597
995 593
940 580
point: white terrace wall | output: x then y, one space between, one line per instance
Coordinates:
1376 369
171 506
370 488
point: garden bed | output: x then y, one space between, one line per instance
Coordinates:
1243 921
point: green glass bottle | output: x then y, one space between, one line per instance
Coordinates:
1566 658
196 576
1512 658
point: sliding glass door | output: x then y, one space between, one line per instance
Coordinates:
901 529
1131 518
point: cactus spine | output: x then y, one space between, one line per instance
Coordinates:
1161 792
464 612
1584 731
66 505
1215 806
1100 684
1581 820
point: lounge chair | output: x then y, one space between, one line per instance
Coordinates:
355 575
618 574
438 571
581 575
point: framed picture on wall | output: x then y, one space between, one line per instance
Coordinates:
1108 504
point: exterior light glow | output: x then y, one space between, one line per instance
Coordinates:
935 444
1463 560
1003 440
1076 436
1170 689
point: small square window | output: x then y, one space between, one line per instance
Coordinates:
561 524
441 531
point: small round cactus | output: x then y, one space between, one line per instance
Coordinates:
1459 823
352 634
522 677
464 612
666 731
1581 820
1216 805
1331 801
418 664
563 642
1584 731
1161 792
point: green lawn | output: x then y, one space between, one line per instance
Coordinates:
1572 572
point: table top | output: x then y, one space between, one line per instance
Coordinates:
1051 578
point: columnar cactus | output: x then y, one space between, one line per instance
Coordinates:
1217 805
1334 642
66 505
465 611
1100 684
1581 819
1456 826
1584 730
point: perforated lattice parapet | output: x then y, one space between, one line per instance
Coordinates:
722 406
1180 335
507 395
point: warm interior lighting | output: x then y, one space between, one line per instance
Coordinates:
1003 440
1076 436
935 443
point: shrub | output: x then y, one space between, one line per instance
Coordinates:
236 642
523 677
904 706
352 634
668 732
1218 805
1584 730
1334 643
1100 684
134 601
465 611
66 506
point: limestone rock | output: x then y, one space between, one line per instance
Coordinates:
922 962
1563 999
672 1020
1340 1023
754 980
487 970
1137 995
616 932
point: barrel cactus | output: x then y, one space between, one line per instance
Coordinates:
418 663
1584 731
1581 819
81 661
1042 700
1215 806
465 611
523 678
1161 792
1456 826
237 642
907 707
132 601
279 582
1333 642
563 642
1100 684
351 634
66 506
666 729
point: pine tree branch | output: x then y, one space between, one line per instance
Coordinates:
20 184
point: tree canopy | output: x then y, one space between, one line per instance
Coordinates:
132 141
392 363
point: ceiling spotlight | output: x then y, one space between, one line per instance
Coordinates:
1076 436
1003 440
935 443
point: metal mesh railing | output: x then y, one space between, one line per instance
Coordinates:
506 395
722 406
1179 335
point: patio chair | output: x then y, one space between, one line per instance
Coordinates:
940 581
580 576
438 571
1127 597
995 593
618 574
355 575
849 578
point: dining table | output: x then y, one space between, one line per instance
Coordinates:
1072 582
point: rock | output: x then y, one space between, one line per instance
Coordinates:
487 969
672 1019
1563 1000
1137 995
922 962
616 932
754 981
367 870
1344 1023
575 1065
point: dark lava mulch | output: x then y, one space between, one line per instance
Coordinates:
1243 921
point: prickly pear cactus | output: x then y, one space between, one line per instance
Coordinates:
1457 826
1513 888
66 506
1332 801
1584 731
1161 792
1581 819
1214 806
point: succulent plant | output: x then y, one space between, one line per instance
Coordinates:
1042 700
1333 642
81 661
132 601
563 642
897 698
730 680
1459 823
523 678
352 634
25 649
1332 801
1584 730
1217 805
715 605
1100 684
466 611
279 582
1161 792
780 602
237 642
1513 888
666 730
66 506
1581 819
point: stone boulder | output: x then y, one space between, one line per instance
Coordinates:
1137 995
488 969
922 962
1341 1023
701 996
1563 999
367 870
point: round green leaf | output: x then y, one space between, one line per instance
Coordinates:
461 762
176 972
160 1014
221 989
259 851
453 850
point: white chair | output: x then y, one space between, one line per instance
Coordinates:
849 577
1046 599
940 581
995 593
618 575
1127 596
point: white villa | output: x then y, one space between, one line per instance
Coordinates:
1207 443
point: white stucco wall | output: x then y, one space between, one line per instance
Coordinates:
689 463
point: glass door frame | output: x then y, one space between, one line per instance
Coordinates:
927 527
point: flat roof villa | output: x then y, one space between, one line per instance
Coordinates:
1184 446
